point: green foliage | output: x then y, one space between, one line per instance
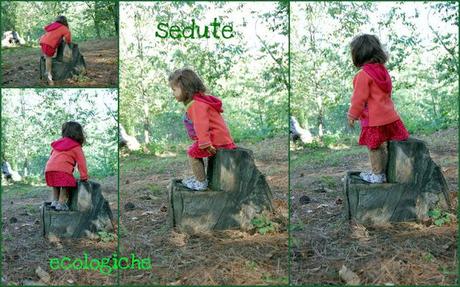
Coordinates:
106 236
283 280
32 119
87 20
248 74
263 225
439 217
421 39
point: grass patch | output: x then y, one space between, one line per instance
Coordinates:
155 189
21 190
149 163
20 51
323 156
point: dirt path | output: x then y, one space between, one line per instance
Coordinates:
323 241
20 66
24 249
220 258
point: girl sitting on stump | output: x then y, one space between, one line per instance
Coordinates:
371 103
52 39
203 122
65 154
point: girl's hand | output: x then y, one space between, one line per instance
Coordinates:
212 150
351 122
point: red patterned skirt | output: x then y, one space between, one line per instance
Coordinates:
48 50
195 151
60 179
373 137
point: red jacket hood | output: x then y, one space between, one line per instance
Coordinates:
380 75
64 144
214 102
52 26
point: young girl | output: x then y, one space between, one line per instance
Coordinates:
52 39
65 154
371 103
203 121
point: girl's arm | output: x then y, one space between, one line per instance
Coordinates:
68 36
198 113
81 162
360 95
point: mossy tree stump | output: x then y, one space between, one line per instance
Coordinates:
415 186
89 213
237 193
65 68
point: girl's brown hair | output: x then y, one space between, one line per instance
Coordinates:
189 82
74 131
366 48
63 20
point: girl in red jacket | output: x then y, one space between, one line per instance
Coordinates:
371 103
52 39
203 121
65 154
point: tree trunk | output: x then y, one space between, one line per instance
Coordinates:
238 193
415 186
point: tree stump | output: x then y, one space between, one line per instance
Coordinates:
89 213
238 192
65 68
415 186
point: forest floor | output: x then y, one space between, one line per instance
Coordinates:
24 249
217 258
21 66
400 254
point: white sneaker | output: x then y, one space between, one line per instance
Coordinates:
373 178
188 179
50 79
196 185
62 207
54 203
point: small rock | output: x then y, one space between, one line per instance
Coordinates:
13 220
338 201
348 276
127 181
43 275
304 199
129 206
163 208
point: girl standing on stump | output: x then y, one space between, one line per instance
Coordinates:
203 121
52 39
371 103
65 154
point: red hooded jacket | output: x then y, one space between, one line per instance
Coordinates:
54 33
67 153
371 101
205 123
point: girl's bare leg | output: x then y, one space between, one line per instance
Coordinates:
64 195
49 66
197 165
56 193
379 158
